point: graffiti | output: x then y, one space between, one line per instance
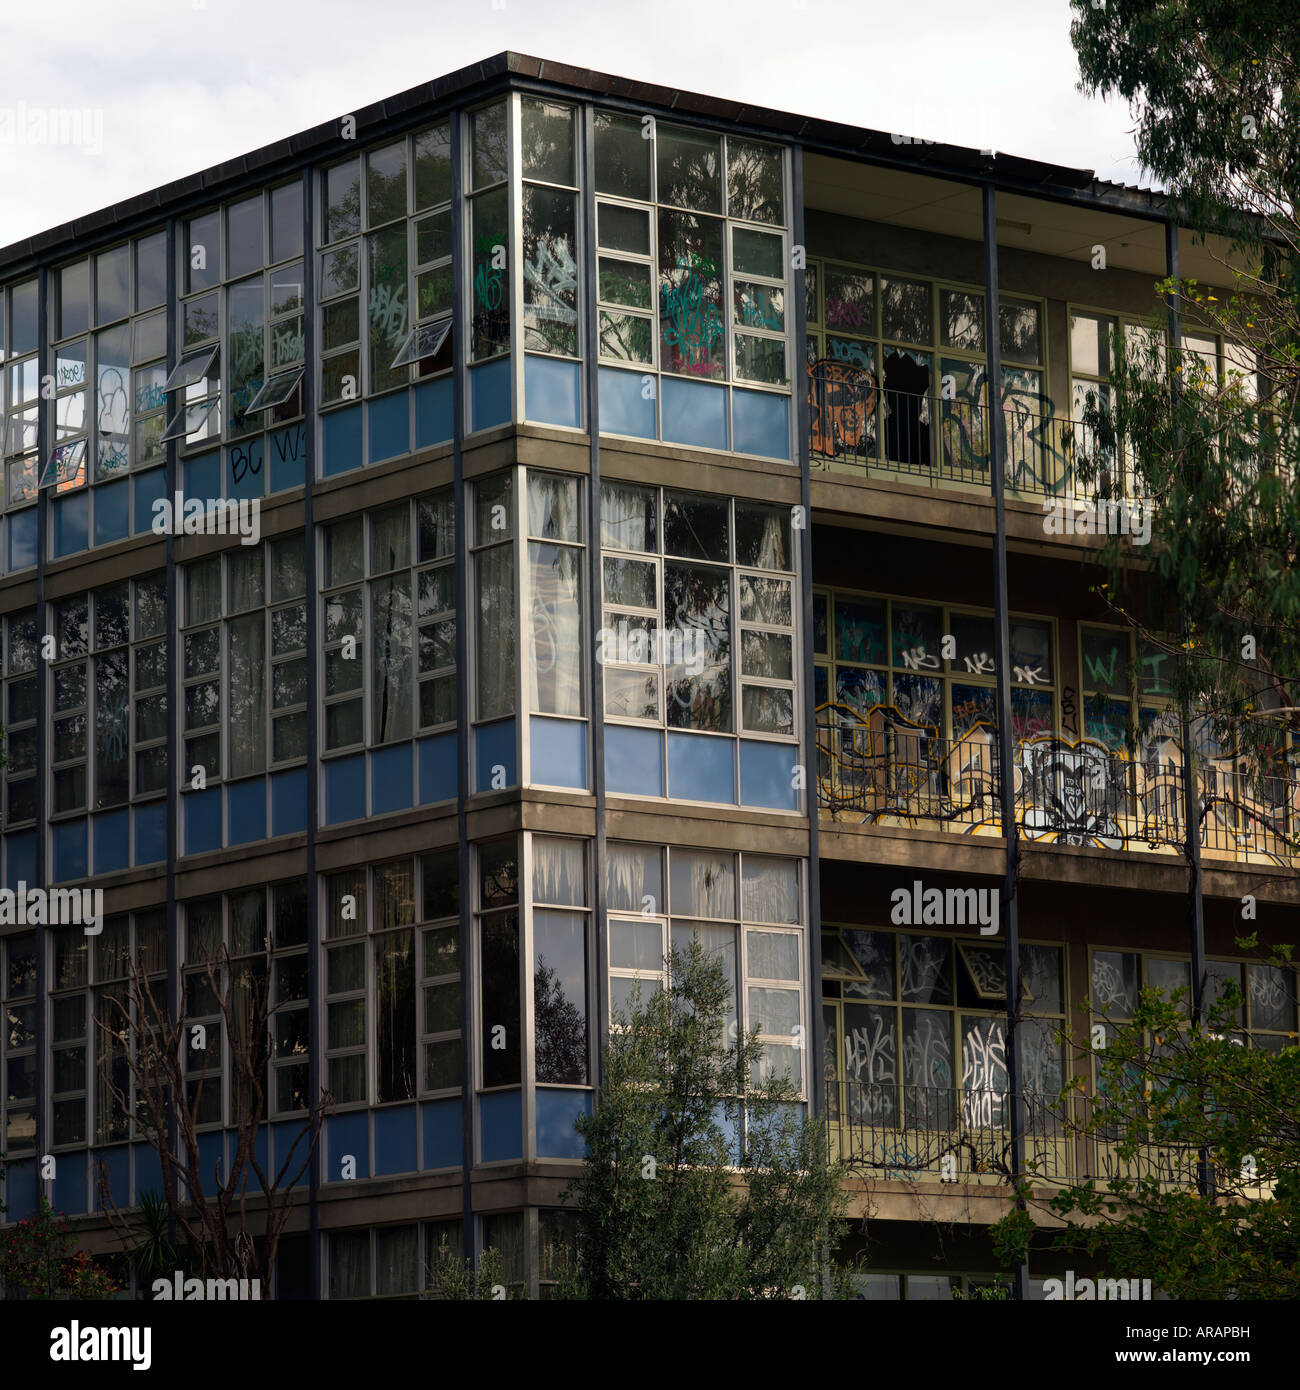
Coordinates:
287 345
844 313
846 350
981 664
1267 994
871 1064
924 961
759 309
553 276
388 311
287 443
1101 674
841 409
245 459
149 396
113 458
1036 454
691 323
987 970
488 280
983 1073
918 659
927 1054
1069 715
71 374
1108 988
1073 795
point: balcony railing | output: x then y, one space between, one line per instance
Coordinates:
884 770
935 1134
931 439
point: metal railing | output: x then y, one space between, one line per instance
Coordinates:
882 770
910 1133
935 439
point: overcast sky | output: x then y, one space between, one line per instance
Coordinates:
167 87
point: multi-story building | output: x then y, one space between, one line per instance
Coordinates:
517 369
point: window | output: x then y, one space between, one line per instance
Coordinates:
555 568
874 652
241 319
497 931
20 707
911 354
698 607
494 596
116 1025
389 623
19 412
560 961
383 1002
692 274
109 680
489 142
1127 688
389 1261
18 1043
731 904
550 218
916 1024
244 632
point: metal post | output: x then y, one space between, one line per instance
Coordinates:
1010 916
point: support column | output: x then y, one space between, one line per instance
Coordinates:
1010 913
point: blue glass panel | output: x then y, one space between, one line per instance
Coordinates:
341 441
289 802
112 512
634 761
559 752
390 426
282 1137
499 1116
726 1115
72 523
246 468
395 1140
22 539
203 477
20 858
390 779
112 841
70 1183
247 808
760 423
20 1189
556 1112
623 407
442 1147
212 1154
117 1165
551 390
345 789
70 858
494 747
149 487
347 1134
701 768
151 833
490 394
438 774
148 1171
202 820
695 412
767 774
433 412
288 450
261 1147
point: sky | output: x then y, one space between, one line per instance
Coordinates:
136 93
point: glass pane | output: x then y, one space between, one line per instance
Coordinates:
961 320
771 891
433 167
622 156
905 310
491 323
772 955
703 884
754 181
1114 983
700 686
690 294
560 996
555 671
499 1000
489 145
386 184
925 969
690 168
696 527
558 873
633 874
546 141
245 250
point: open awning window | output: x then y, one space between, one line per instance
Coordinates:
188 419
66 463
275 391
193 367
424 340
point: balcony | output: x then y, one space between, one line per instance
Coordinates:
884 770
904 1133
856 427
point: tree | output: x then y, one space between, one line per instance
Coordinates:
1204 1132
222 1238
40 1260
1214 88
666 1206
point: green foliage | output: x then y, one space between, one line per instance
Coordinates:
1171 1090
666 1209
456 1280
153 1253
40 1260
1214 88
